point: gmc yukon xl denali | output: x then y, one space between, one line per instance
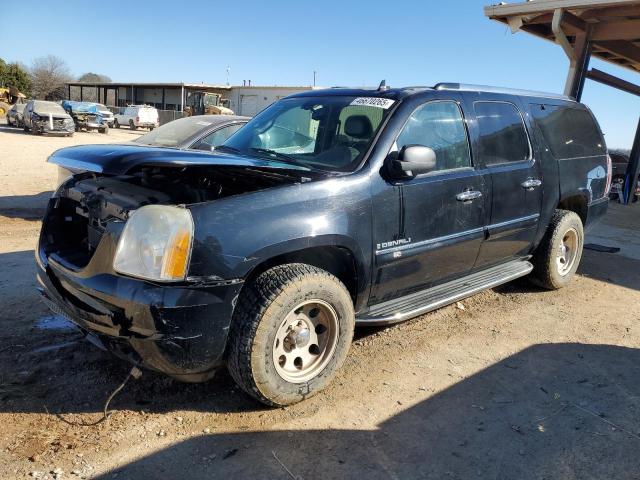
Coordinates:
330 209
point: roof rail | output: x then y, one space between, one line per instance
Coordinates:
512 91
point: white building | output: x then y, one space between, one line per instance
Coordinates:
249 100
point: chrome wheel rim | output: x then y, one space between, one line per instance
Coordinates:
305 341
567 252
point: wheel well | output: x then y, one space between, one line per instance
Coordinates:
577 204
335 260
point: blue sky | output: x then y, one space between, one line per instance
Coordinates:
406 42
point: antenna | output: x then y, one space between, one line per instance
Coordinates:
383 86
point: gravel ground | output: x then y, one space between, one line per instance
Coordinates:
512 383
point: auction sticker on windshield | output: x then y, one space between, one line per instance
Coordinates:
373 102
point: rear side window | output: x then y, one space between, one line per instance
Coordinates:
503 137
569 132
440 126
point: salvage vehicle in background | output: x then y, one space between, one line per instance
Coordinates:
204 132
14 115
86 116
620 162
137 116
107 114
330 208
42 117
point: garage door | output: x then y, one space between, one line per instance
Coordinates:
248 105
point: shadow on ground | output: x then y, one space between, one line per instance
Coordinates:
28 207
550 411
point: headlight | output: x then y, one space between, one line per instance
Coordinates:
156 243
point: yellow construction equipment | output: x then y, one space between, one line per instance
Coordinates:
9 96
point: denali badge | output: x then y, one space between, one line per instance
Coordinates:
393 243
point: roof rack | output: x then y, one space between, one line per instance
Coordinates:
512 91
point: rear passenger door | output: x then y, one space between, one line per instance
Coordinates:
503 146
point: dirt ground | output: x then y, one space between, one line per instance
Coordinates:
512 383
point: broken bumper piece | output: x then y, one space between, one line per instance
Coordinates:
177 330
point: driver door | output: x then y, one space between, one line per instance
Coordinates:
442 213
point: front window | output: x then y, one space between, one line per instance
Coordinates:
327 133
210 100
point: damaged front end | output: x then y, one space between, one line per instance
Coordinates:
52 124
178 327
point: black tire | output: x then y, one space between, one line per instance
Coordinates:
261 309
132 125
116 124
547 269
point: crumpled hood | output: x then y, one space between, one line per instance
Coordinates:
121 159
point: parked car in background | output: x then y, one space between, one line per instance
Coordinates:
329 208
620 162
42 117
106 114
14 115
137 116
86 116
203 132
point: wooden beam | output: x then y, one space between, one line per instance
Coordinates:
615 82
620 30
626 50
540 6
611 12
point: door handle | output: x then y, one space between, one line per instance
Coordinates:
531 183
468 195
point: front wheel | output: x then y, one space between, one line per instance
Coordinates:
290 333
557 257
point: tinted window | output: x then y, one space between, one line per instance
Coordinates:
503 137
440 126
569 132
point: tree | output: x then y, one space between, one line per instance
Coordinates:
48 78
14 75
91 94
94 77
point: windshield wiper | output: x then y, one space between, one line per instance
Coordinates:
227 148
280 156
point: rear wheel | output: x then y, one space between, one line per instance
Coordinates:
557 257
116 124
132 125
291 332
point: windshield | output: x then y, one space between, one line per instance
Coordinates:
47 107
174 133
102 108
328 133
210 100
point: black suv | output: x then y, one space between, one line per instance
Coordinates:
331 208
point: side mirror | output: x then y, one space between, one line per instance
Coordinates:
413 160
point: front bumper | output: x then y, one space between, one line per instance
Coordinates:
177 330
59 128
